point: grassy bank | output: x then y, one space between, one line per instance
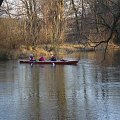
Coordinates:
24 51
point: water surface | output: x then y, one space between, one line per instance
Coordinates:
87 91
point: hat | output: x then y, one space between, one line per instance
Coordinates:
31 54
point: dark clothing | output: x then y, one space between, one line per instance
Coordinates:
53 58
31 58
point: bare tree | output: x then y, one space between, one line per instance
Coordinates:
57 23
31 21
1 2
107 19
76 19
53 16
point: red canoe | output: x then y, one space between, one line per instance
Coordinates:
66 62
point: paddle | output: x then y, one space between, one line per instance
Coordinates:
63 60
32 63
53 64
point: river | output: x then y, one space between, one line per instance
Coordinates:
89 90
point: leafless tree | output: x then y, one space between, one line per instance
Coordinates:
1 2
53 16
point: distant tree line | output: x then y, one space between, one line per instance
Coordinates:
36 22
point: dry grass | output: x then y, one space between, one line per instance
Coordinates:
40 50
64 49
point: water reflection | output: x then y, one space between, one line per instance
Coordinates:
88 91
52 93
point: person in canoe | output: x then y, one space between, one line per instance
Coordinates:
42 58
31 58
53 58
63 60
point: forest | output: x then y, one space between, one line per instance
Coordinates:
46 25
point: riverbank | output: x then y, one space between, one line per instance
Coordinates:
45 50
